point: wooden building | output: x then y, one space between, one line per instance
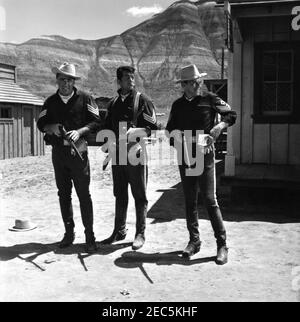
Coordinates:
19 112
264 89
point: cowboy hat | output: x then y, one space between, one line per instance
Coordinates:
22 225
66 69
189 72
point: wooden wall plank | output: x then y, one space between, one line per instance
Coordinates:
279 143
40 149
10 140
1 141
37 132
294 144
247 101
19 130
21 115
34 130
15 131
6 141
234 99
261 143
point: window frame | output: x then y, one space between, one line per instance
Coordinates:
10 109
259 115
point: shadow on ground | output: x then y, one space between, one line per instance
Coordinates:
132 259
31 251
243 204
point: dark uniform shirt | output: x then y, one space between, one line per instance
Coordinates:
199 113
119 111
80 111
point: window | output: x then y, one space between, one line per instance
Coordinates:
276 82
277 87
5 113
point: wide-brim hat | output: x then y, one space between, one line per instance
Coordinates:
189 73
66 69
23 225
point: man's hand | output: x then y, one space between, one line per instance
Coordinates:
53 129
218 129
207 150
73 136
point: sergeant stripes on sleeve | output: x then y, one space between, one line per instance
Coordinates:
150 119
93 110
223 106
42 114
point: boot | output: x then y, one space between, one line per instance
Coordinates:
138 242
222 255
67 240
115 236
90 243
191 249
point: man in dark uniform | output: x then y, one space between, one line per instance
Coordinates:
66 118
198 112
138 115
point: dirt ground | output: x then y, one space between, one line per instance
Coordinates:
263 242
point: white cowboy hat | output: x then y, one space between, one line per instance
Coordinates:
22 225
66 69
190 72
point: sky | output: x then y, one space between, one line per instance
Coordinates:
21 20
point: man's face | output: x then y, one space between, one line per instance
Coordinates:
65 84
191 88
127 83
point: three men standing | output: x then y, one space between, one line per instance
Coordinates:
66 118
69 115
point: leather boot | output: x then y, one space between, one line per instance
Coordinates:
191 249
222 255
67 240
138 242
115 236
90 243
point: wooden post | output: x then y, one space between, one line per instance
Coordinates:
222 67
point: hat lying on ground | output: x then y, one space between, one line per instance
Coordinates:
189 73
66 69
22 225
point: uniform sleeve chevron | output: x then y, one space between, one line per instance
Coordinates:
43 114
93 110
150 119
222 106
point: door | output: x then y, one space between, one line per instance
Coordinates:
27 132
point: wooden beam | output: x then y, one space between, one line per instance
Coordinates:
247 101
237 35
265 11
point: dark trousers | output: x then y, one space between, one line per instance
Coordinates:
137 177
207 184
70 168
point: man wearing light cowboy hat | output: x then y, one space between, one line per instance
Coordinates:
66 118
196 112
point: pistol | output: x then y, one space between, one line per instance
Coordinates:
64 136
